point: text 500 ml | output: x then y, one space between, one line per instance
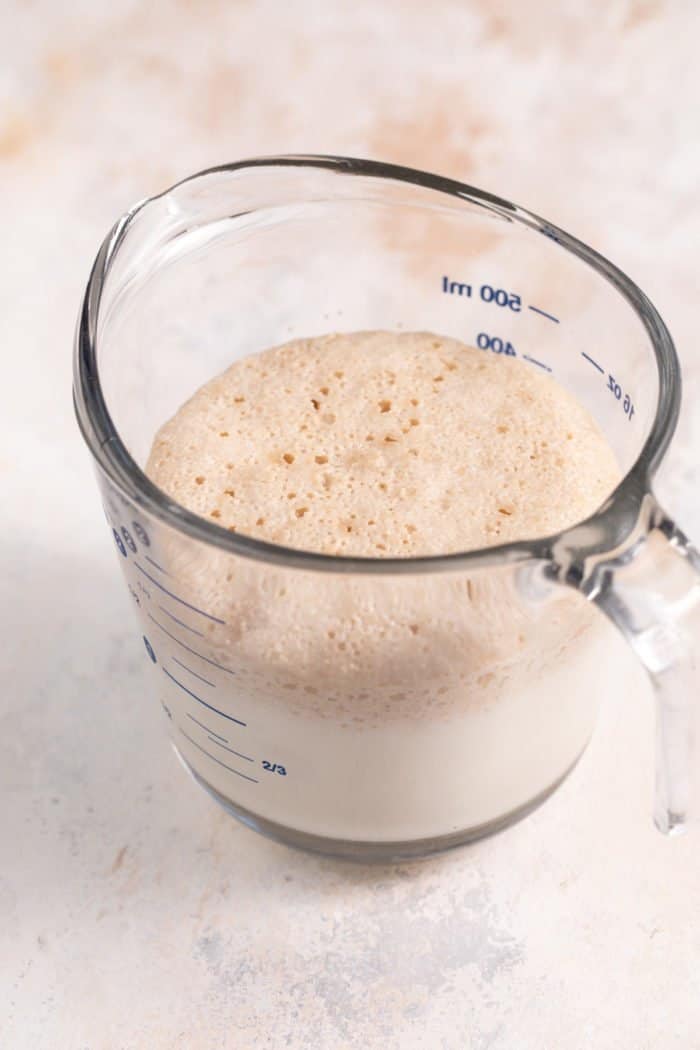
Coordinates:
487 293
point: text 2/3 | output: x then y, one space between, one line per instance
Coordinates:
274 767
494 342
619 395
487 293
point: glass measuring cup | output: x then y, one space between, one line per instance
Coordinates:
385 707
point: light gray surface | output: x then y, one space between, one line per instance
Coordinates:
133 913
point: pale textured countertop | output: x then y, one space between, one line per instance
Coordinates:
133 912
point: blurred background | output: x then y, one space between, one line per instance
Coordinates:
117 928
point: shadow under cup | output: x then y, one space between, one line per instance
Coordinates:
364 707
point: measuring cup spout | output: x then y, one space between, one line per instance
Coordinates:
649 587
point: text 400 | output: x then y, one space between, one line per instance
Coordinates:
616 389
494 342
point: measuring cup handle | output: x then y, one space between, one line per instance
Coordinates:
650 589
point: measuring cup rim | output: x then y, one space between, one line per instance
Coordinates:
112 457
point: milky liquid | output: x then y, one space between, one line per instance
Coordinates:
381 708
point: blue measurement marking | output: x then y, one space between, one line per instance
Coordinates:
156 565
200 701
246 757
214 759
189 669
534 361
544 313
175 596
206 728
182 623
187 647
594 363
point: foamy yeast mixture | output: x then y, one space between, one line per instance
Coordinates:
400 707
383 443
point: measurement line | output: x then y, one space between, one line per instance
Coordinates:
199 699
544 313
181 622
156 565
594 363
188 648
186 668
206 728
246 757
214 759
534 361
175 597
